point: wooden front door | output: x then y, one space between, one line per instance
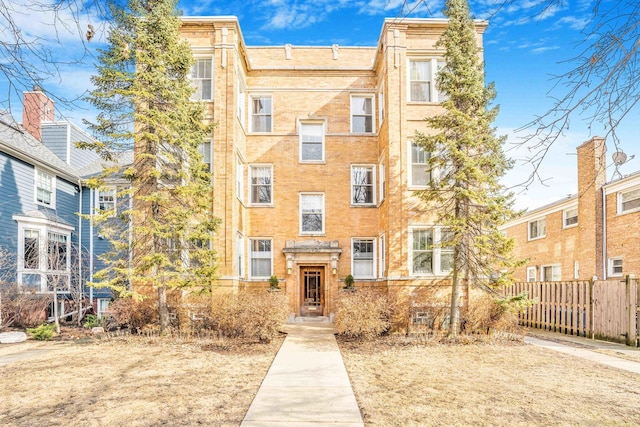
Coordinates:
311 294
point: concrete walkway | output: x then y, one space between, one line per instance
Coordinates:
587 348
307 384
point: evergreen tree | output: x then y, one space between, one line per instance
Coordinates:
466 163
143 92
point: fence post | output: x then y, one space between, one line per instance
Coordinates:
590 314
631 310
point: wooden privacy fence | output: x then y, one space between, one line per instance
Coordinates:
595 309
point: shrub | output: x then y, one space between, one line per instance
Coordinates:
489 315
91 321
348 282
255 315
43 332
274 283
363 314
134 314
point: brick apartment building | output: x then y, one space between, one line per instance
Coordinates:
595 233
313 161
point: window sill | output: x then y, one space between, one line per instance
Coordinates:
319 234
531 239
261 205
570 226
312 162
362 205
620 213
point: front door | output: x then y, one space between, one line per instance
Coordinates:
312 300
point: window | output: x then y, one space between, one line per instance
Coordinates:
205 151
383 182
381 106
240 180
570 217
576 270
615 267
240 251
261 110
551 273
362 185
382 256
31 247
201 79
537 228
57 251
107 200
311 213
532 273
428 255
629 201
45 189
420 176
362 114
240 100
362 258
260 257
311 142
103 305
422 78
261 184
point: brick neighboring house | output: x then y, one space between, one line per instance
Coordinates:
42 190
313 161
595 233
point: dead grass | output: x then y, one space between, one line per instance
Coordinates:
133 381
397 384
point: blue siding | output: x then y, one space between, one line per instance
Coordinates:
54 137
80 158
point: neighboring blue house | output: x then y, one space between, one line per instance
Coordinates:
41 194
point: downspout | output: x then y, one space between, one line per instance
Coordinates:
91 234
604 233
80 251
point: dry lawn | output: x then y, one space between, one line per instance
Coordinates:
486 385
132 382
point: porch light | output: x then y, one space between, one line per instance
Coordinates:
334 266
289 266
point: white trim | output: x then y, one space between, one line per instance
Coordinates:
544 278
434 95
529 238
532 273
564 217
436 251
323 214
251 113
52 180
211 61
372 98
250 272
382 255
372 185
323 127
240 179
610 266
373 261
250 184
619 195
576 270
410 184
382 181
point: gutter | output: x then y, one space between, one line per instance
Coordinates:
604 233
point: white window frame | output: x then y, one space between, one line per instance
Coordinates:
240 180
436 251
537 221
614 263
39 175
206 151
621 195
102 305
240 255
101 203
382 256
373 259
429 173
566 217
43 227
381 110
556 273
254 114
251 257
251 184
371 184
576 270
307 138
372 115
383 181
241 100
435 64
532 274
197 94
301 213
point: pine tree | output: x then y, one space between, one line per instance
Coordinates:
467 162
144 94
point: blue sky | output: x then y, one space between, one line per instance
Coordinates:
524 48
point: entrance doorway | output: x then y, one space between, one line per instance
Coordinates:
311 295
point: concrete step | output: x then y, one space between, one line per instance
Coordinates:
311 319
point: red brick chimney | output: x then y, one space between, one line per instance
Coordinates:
36 108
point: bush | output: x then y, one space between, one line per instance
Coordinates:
365 313
130 313
91 321
43 332
489 315
255 315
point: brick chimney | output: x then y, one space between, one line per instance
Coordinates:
36 108
592 175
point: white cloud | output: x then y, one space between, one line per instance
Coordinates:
573 22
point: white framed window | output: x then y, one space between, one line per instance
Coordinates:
363 258
537 228
381 106
261 182
43 262
551 273
532 274
422 79
45 188
362 117
312 142
629 201
311 213
363 185
240 180
261 257
382 257
205 149
103 305
106 200
428 255
419 173
576 270
261 111
240 254
570 217
201 78
240 100
383 181
615 267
